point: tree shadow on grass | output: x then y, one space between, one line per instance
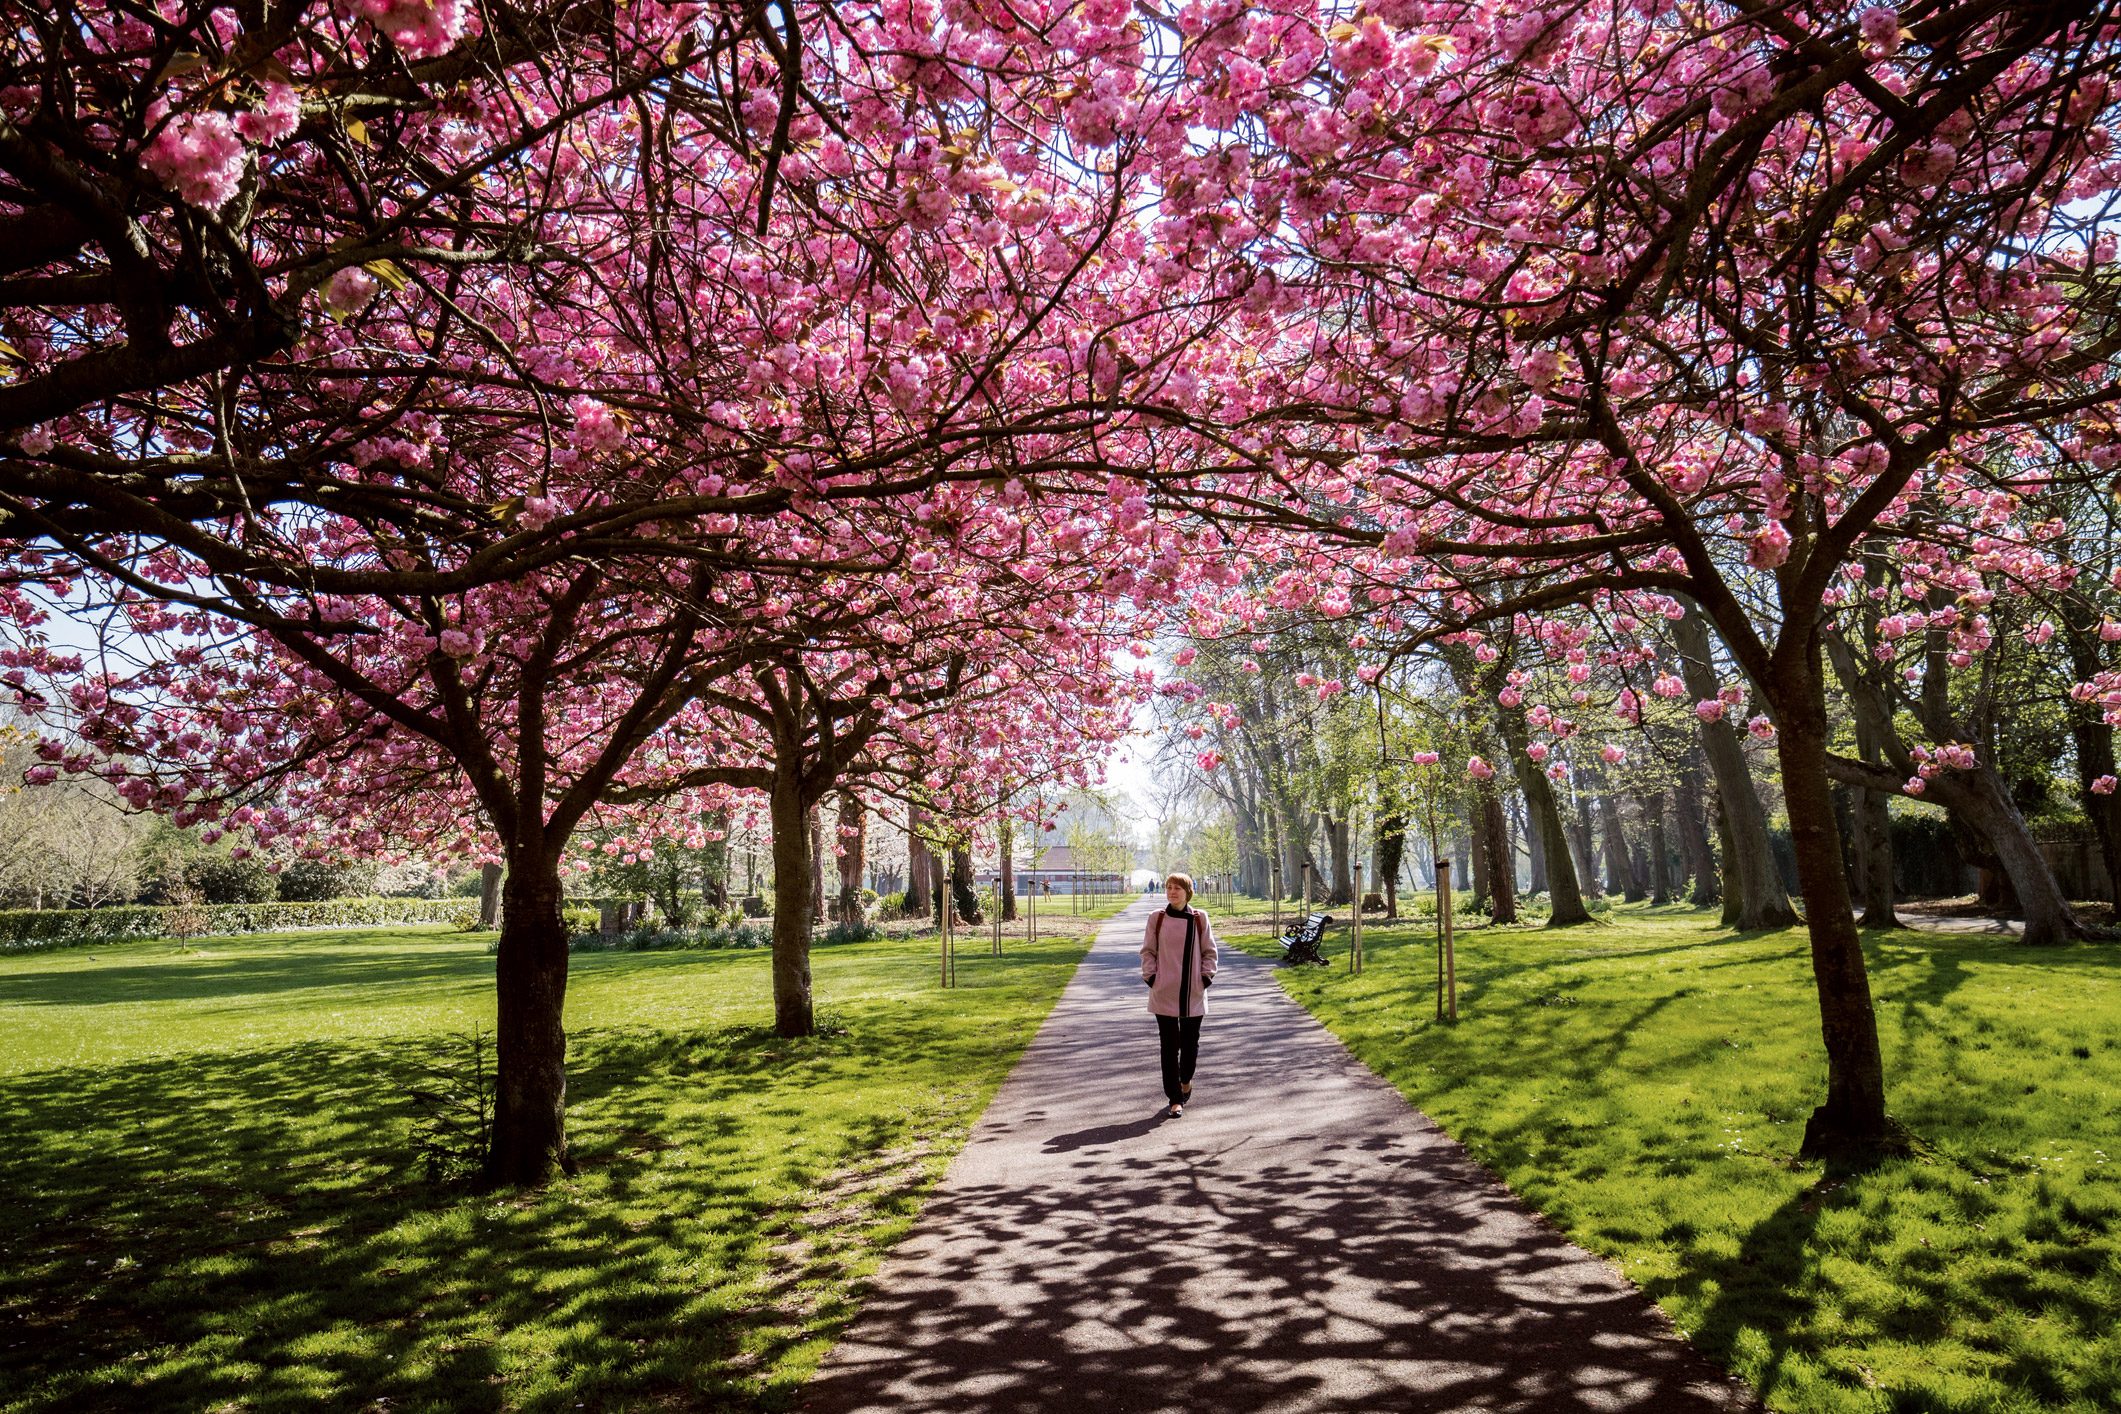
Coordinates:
246 1229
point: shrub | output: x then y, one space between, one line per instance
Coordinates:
862 932
220 879
653 939
25 929
317 881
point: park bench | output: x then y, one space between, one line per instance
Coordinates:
1301 943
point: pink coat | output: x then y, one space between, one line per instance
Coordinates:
1163 949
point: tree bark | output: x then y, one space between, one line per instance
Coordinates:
1852 1122
1564 888
964 891
854 855
1659 861
530 1042
792 899
1391 853
1477 847
2094 740
489 895
1005 894
1619 869
1337 849
1580 843
818 856
1874 842
1694 833
1754 897
1502 882
919 902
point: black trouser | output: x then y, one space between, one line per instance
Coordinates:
1180 1042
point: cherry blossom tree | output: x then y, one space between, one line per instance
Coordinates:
1694 304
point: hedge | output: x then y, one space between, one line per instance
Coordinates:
23 929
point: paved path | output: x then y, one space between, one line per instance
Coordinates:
1301 1240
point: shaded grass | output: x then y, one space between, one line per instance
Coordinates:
212 1196
1645 1082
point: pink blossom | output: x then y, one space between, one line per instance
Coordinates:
1667 685
200 157
1509 697
1478 769
1761 727
274 121
1612 755
1538 752
1770 546
348 292
2104 785
1915 785
45 775
1710 710
1186 656
1209 760
1426 758
1880 27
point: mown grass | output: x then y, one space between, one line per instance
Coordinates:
213 1202
1644 1082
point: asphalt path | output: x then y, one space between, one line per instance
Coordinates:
1301 1239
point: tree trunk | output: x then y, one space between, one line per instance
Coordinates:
919 902
489 895
963 889
1535 847
793 894
1564 886
1391 853
818 856
1733 881
1619 872
1502 866
1660 862
1477 847
854 855
1337 848
1981 798
2095 758
530 1042
1754 897
1005 893
1694 834
1852 1122
1874 842
1580 839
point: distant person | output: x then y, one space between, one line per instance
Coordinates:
1178 966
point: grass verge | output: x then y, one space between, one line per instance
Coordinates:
1644 1082
213 1201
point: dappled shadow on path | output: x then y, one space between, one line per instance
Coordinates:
1299 1240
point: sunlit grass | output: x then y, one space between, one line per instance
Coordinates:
212 1199
1645 1081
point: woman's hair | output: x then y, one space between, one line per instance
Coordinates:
1184 881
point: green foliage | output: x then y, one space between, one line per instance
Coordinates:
210 1150
222 879
862 932
316 880
27 929
659 939
1645 1084
580 920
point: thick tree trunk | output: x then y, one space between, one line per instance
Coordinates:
1980 798
1754 896
2094 740
1391 854
1694 835
1502 865
854 855
1619 870
1337 848
919 901
530 1042
964 891
489 895
1580 842
1852 1123
793 894
1563 882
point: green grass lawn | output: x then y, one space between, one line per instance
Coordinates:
1645 1080
212 1200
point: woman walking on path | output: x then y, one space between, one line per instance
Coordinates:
1178 964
